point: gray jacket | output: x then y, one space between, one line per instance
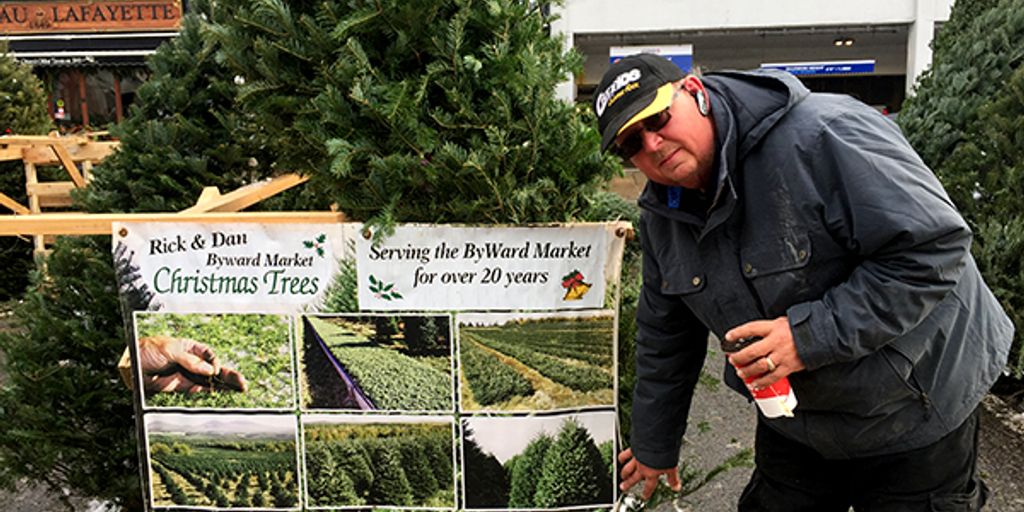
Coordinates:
825 214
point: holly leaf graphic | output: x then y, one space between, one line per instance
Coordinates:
320 251
397 295
308 244
373 280
321 238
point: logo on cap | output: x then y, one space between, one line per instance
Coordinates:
609 95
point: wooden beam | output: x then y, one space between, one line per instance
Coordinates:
15 206
100 223
53 193
94 152
10 152
68 163
246 196
209 194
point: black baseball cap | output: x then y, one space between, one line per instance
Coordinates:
633 88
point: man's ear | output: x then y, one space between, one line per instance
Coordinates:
692 84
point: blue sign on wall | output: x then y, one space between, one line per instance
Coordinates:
680 55
840 67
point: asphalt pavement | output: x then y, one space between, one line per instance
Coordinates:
722 425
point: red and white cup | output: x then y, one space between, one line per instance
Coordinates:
776 400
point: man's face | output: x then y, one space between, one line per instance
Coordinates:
682 152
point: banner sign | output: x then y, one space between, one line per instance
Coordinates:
445 267
89 16
680 55
310 367
842 67
231 267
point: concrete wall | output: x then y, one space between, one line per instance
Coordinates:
591 16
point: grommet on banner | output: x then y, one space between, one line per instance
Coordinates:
123 232
367 233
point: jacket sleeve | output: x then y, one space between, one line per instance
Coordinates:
670 347
883 204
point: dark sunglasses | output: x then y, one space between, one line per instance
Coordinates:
634 142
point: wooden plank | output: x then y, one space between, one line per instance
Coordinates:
14 206
53 193
31 178
87 170
10 152
68 163
124 368
209 194
89 152
100 223
248 195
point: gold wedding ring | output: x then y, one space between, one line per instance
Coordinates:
771 364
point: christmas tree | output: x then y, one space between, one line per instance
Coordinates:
965 121
419 110
67 417
22 100
573 472
22 112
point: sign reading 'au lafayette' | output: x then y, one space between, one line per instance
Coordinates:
84 16
447 267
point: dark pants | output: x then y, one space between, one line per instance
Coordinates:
941 477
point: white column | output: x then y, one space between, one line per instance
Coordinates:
567 89
922 31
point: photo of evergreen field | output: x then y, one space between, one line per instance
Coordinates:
539 462
258 346
223 461
379 461
393 363
530 362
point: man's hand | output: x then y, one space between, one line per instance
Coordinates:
180 364
770 359
633 471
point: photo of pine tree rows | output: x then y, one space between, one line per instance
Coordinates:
539 462
379 461
529 362
396 363
252 348
223 461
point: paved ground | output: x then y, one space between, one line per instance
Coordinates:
722 424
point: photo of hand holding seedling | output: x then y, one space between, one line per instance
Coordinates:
179 364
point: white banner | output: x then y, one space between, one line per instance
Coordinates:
430 268
191 267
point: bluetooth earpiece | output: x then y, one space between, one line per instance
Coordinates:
702 102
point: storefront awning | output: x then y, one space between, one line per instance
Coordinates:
86 50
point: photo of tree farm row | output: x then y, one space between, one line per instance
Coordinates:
379 461
223 460
251 353
530 362
366 362
539 462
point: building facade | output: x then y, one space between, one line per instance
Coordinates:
90 54
871 49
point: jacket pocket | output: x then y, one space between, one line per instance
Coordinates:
970 500
769 255
903 367
865 387
776 268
